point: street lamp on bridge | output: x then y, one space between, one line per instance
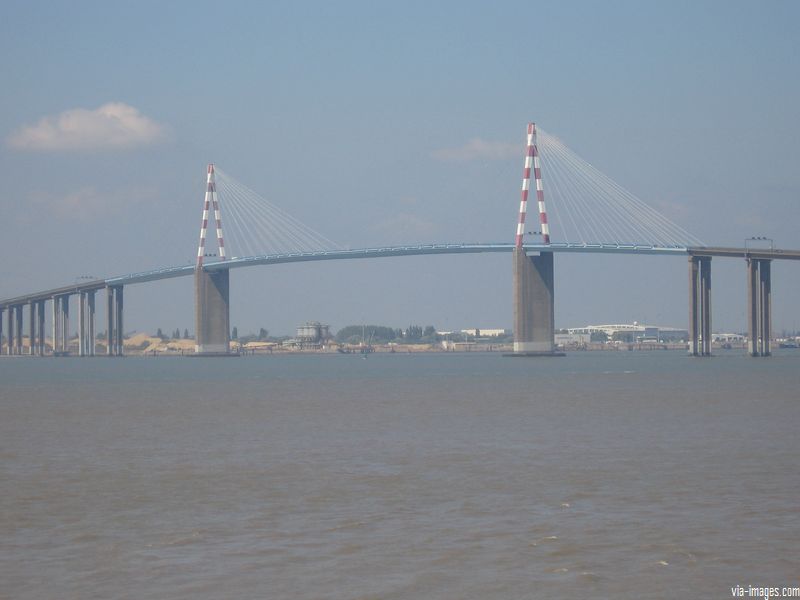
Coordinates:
751 243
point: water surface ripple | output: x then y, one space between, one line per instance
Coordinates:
609 475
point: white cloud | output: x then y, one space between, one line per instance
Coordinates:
476 148
113 125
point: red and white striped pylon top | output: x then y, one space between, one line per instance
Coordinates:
211 198
532 159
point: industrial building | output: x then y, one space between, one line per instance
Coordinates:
486 332
312 333
635 332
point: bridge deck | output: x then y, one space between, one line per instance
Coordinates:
95 284
389 251
757 253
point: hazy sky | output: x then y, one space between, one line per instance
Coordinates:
343 113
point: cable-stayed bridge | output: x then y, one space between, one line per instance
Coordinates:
589 213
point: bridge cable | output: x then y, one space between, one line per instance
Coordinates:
262 228
593 208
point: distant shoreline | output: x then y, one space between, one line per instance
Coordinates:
147 346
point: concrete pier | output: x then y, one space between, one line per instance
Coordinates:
90 333
115 337
55 324
86 337
212 312
759 306
10 339
31 327
18 328
109 321
11 320
36 327
118 314
40 317
12 334
1 330
700 305
10 331
81 325
534 304
64 322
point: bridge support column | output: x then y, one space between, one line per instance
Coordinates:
765 289
16 338
118 314
212 312
10 334
534 304
700 306
705 304
90 334
65 324
11 321
56 325
759 306
81 324
115 338
32 328
40 316
1 330
18 351
86 318
12 340
56 328
109 321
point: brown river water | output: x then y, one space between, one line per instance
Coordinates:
466 476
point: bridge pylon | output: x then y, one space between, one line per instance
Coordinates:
212 312
211 289
533 288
